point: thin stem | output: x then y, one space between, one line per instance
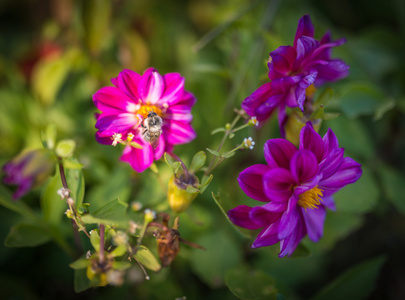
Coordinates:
102 253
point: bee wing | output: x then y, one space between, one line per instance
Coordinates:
154 139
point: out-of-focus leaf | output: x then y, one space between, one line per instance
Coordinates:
119 251
359 197
72 163
121 265
198 161
317 114
356 283
324 97
394 184
65 148
384 107
206 180
113 212
95 239
301 251
212 264
81 263
215 131
27 235
81 281
96 20
213 152
147 259
250 284
18 207
134 52
53 207
48 136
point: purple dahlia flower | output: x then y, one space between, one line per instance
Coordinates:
292 69
28 170
297 186
127 104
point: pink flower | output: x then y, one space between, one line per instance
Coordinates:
125 106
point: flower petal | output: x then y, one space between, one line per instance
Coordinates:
278 184
331 163
174 87
329 203
240 216
349 172
305 28
151 86
278 153
260 215
177 132
261 103
282 61
304 166
289 219
312 141
139 159
110 124
111 100
251 182
267 237
304 47
288 245
333 71
128 81
330 142
314 220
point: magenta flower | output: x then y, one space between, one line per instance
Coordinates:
297 185
125 106
292 69
28 170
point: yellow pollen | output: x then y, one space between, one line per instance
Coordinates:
146 108
311 198
310 91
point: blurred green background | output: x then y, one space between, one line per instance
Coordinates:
55 54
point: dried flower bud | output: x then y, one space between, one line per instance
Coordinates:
179 197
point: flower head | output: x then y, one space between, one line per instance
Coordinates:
295 69
248 143
125 107
297 186
28 170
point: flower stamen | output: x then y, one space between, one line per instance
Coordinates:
311 198
146 108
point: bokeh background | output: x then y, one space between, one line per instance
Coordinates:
55 54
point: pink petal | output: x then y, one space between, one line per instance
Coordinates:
179 113
278 153
174 87
160 149
151 86
177 132
139 159
278 184
240 217
304 166
314 220
110 124
282 61
111 100
312 141
128 81
251 182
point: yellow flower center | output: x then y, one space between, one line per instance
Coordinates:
311 198
146 108
310 91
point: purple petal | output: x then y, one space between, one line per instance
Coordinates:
128 81
251 182
110 124
330 142
282 61
312 141
174 87
329 203
331 163
304 166
314 220
278 184
288 245
151 86
267 237
289 220
261 103
282 120
139 159
111 100
305 28
278 153
305 46
300 92
333 71
349 172
276 206
178 132
240 216
260 215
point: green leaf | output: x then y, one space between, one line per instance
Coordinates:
111 213
394 184
75 181
65 148
121 265
206 180
198 161
81 281
216 153
27 235
147 259
356 283
169 160
52 206
48 136
95 239
359 197
250 284
330 116
229 154
119 251
325 96
177 167
317 114
212 264
72 163
18 207
191 189
81 263
215 131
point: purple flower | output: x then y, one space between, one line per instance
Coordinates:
297 185
292 69
126 105
28 170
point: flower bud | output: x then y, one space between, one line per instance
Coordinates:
28 170
294 125
178 196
